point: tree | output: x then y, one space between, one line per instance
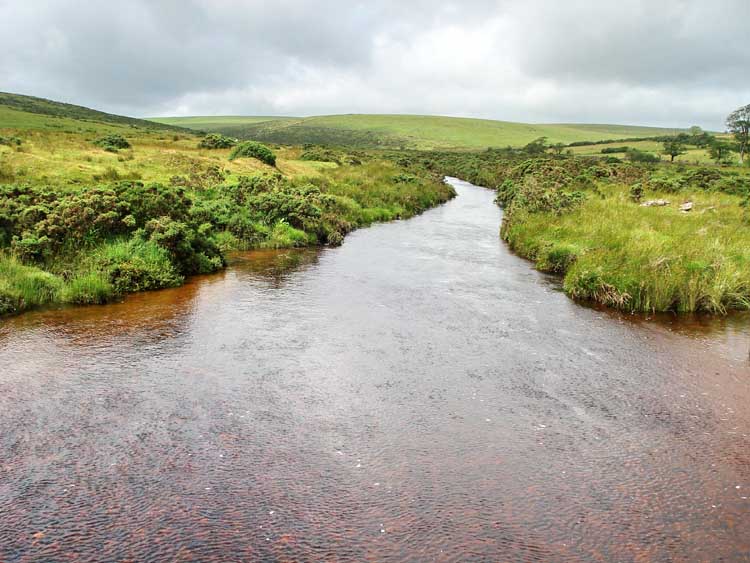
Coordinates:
558 148
537 146
673 148
738 123
720 151
696 131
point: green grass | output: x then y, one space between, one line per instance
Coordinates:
408 131
616 252
23 286
67 154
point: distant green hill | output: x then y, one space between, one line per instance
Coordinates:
216 123
408 131
28 112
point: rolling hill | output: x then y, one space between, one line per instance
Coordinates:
407 131
43 142
18 111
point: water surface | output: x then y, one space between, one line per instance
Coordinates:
418 394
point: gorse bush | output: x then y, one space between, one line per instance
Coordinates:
137 264
216 141
252 149
320 154
112 143
200 178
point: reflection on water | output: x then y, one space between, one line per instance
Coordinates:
274 267
416 394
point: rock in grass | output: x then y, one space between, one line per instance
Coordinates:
655 203
687 206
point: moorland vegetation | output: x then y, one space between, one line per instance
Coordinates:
632 233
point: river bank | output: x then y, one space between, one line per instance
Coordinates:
93 244
639 238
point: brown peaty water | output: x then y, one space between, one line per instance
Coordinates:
418 394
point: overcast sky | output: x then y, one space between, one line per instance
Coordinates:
665 62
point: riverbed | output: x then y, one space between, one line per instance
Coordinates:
418 394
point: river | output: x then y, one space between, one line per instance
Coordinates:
418 394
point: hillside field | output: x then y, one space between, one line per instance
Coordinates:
407 131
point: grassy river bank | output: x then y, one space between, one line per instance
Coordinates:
636 237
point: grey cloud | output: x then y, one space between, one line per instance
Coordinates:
673 63
639 41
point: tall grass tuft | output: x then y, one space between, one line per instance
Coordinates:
88 289
24 287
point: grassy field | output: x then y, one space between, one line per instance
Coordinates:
84 221
692 155
408 131
71 158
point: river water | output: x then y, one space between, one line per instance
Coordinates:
418 394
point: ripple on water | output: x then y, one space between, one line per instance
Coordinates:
417 394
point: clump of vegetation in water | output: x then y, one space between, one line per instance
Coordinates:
216 141
252 149
113 142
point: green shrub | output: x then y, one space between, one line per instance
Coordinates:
252 149
10 299
10 141
192 251
216 141
558 258
668 184
634 155
148 201
636 192
112 143
137 265
703 178
320 154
